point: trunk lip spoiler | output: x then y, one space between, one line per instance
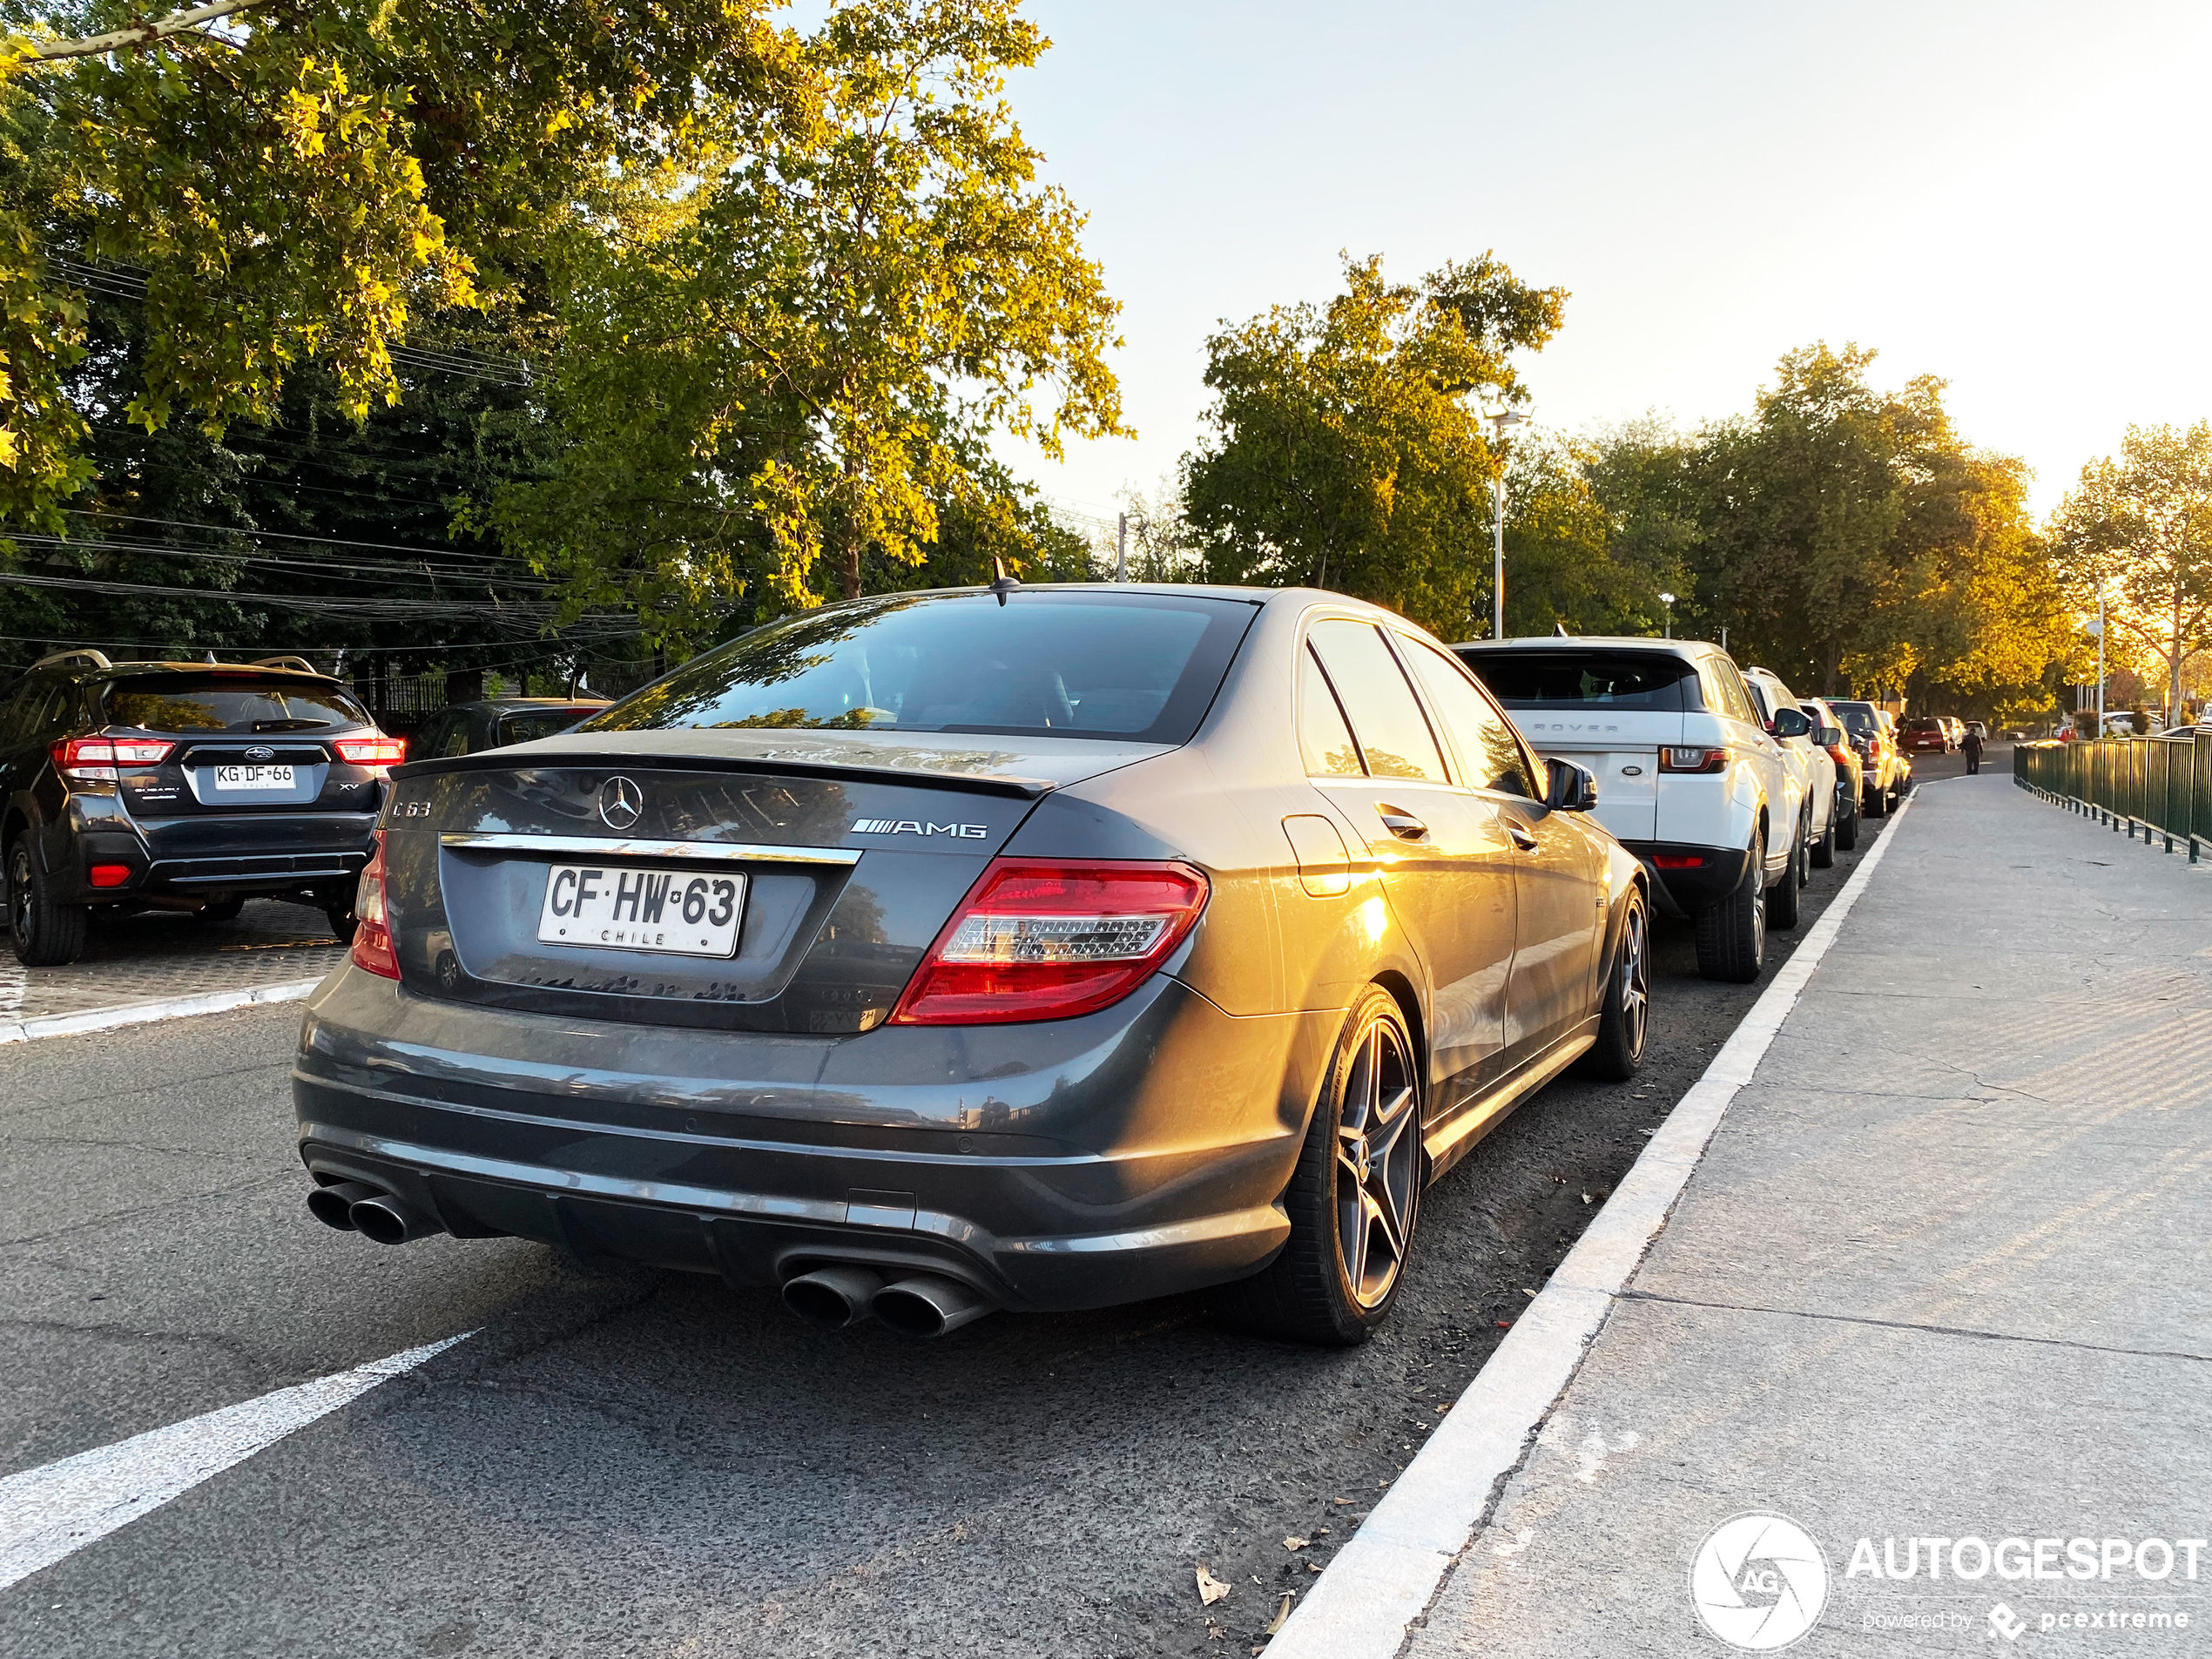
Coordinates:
618 847
508 760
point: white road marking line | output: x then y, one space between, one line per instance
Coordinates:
54 1511
71 1025
1390 1570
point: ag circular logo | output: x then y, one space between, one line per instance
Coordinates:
1759 1582
621 803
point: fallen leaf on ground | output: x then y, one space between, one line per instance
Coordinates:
1282 1613
1586 1197
1211 1590
1313 1567
1339 1500
1296 1543
1440 1410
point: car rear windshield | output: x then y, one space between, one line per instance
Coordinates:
1855 717
531 724
1534 679
1924 726
229 703
1127 665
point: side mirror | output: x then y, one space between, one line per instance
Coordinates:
1569 788
1790 722
1828 736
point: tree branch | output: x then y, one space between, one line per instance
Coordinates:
140 34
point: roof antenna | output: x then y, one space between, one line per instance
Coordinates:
209 659
1002 583
1559 632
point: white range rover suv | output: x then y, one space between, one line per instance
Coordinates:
1692 778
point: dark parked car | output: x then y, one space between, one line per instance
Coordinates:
1843 754
1036 947
183 786
465 728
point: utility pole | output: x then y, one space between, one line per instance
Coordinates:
1121 550
2100 660
1501 420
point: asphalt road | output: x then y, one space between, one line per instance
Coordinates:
651 1463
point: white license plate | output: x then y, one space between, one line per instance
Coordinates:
627 907
253 777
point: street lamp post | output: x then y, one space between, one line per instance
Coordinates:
1501 420
1668 600
2099 731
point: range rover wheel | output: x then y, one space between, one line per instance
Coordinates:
343 922
221 909
1823 850
1731 936
44 934
1355 1199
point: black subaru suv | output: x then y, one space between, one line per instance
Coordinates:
181 787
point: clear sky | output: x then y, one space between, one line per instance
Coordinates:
2012 196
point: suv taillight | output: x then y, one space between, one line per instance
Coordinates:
95 759
1684 759
373 938
1038 939
371 751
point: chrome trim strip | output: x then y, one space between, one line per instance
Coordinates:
619 847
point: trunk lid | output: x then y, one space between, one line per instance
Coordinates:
853 850
1622 748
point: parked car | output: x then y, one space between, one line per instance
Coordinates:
1830 733
1815 773
1040 948
466 728
1885 773
1924 735
184 787
1689 778
1979 729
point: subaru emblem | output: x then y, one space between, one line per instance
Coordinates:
260 752
621 803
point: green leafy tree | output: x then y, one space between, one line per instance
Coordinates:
1573 559
1347 446
804 367
2139 528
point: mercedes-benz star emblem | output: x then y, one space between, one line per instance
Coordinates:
260 752
621 803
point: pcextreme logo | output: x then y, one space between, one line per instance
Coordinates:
916 826
1759 1582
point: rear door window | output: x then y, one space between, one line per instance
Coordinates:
1725 689
1393 732
1323 738
229 703
1490 751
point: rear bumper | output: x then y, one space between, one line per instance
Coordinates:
1682 890
208 857
1132 1153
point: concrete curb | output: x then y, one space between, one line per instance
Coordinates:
1385 1578
71 1025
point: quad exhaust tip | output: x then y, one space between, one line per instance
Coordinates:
927 1305
832 1297
355 1206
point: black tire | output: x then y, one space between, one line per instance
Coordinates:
1823 850
1624 1022
1847 830
221 909
1783 908
343 922
1731 936
1311 1292
43 933
1877 802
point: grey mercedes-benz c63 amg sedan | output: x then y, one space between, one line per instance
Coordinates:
1030 948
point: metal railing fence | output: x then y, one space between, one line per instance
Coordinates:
2161 785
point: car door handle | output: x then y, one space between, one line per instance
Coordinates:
1401 823
1522 838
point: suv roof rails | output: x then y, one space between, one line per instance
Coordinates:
95 658
299 662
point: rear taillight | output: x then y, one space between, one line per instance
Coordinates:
1843 754
1678 860
371 751
1681 760
96 760
1037 939
373 938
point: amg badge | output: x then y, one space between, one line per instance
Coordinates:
915 827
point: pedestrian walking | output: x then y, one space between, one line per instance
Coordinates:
1970 745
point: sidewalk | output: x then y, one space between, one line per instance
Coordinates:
1941 1274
